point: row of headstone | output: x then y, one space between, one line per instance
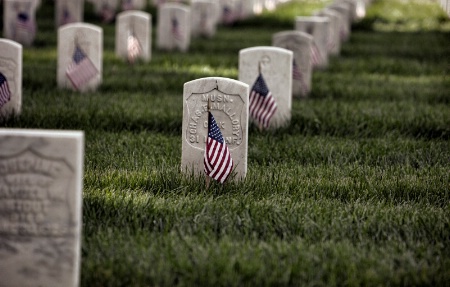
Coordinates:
445 4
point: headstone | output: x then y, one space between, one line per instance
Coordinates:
274 65
133 35
174 27
246 9
68 11
318 28
40 207
203 18
10 78
229 12
80 52
19 21
229 106
300 44
334 40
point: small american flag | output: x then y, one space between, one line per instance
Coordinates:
315 55
298 75
228 15
24 24
81 70
262 104
176 29
218 163
66 18
133 48
5 93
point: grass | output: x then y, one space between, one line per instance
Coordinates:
354 192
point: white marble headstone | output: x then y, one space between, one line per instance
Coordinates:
10 78
275 66
346 22
229 12
334 40
174 27
203 18
106 9
87 39
135 24
19 21
40 207
68 11
229 106
133 4
318 28
300 43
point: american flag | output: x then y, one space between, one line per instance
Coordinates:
176 29
24 23
133 48
218 163
81 70
66 18
5 93
262 104
298 75
315 55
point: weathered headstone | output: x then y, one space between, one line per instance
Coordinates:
275 67
19 21
80 51
203 18
334 40
10 78
40 207
68 11
174 27
133 35
318 28
229 106
300 44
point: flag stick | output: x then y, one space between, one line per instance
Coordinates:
207 177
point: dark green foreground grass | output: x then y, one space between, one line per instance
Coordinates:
354 192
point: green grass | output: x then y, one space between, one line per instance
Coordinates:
355 191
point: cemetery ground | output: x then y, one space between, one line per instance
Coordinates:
355 191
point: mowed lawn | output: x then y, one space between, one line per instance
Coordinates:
355 191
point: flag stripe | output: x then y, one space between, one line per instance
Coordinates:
262 103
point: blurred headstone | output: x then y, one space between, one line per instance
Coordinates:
40 207
203 18
300 43
19 21
174 27
68 11
318 28
133 35
80 56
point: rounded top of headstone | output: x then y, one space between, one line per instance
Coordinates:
312 19
293 34
11 43
264 49
172 5
136 13
79 25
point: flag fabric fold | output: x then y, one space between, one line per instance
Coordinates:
5 93
262 103
176 32
81 70
218 163
133 48
25 25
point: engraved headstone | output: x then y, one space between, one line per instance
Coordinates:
19 21
318 28
174 27
275 66
229 106
203 18
68 11
133 35
10 78
40 207
334 40
80 51
300 43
